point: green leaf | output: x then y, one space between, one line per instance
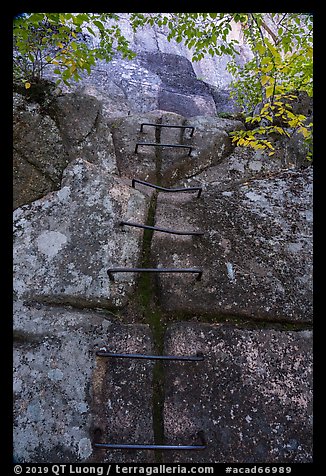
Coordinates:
99 25
265 80
269 91
268 67
260 48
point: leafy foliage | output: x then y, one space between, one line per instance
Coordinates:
200 32
265 86
281 67
281 63
60 39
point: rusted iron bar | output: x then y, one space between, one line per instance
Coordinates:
190 358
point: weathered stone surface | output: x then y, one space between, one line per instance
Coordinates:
151 81
44 147
241 166
180 90
84 130
162 75
29 183
38 149
251 396
123 396
126 133
210 142
66 241
112 98
76 114
63 391
256 253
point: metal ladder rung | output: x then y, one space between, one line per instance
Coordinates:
110 271
148 447
164 189
199 357
155 144
167 125
163 230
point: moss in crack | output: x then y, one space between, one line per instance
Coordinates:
153 317
238 321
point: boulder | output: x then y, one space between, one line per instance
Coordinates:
241 166
65 396
39 153
256 253
84 129
47 138
251 396
210 143
29 183
65 242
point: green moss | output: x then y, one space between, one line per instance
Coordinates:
153 317
24 337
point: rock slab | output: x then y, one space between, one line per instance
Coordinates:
64 393
251 396
65 242
256 253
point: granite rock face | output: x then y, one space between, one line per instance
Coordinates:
64 394
251 311
39 154
251 396
150 81
47 139
256 253
210 144
162 76
65 242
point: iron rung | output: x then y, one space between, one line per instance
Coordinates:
193 358
167 125
154 270
155 144
148 447
164 230
164 189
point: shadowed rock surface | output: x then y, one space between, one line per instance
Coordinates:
252 395
256 254
74 158
65 242
63 392
210 143
162 76
48 138
39 154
